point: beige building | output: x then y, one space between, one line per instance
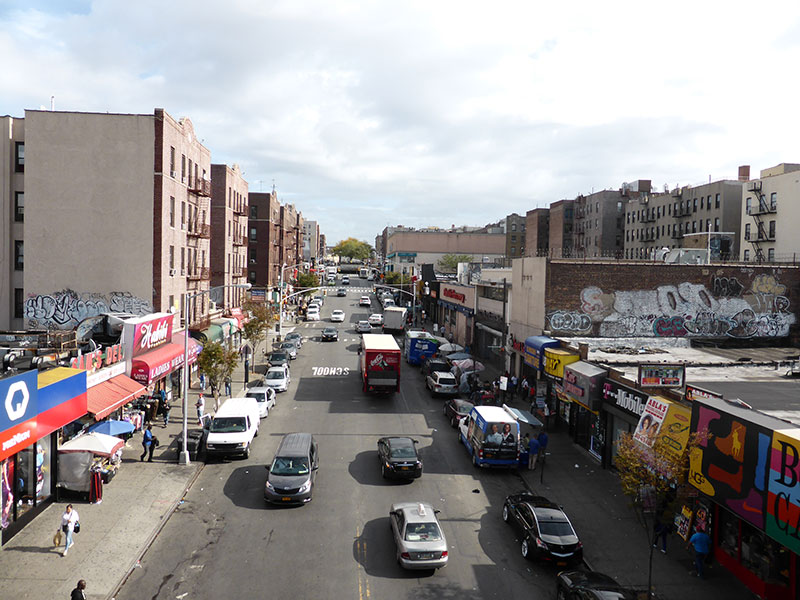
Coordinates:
407 249
771 215
229 212
118 217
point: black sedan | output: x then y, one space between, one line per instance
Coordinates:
330 334
546 531
456 409
278 358
589 585
398 457
434 364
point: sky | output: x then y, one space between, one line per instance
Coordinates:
367 114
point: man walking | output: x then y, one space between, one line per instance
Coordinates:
201 408
78 593
533 453
147 443
702 546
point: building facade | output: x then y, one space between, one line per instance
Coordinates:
515 237
407 249
264 240
12 201
310 241
229 211
562 228
599 220
537 232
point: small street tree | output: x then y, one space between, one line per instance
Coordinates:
217 363
306 280
256 328
449 262
353 249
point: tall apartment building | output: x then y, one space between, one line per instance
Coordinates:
229 210
264 240
321 248
117 216
771 216
537 232
599 220
291 235
310 240
677 219
12 200
515 237
562 228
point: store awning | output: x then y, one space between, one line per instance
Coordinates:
104 398
195 347
150 366
213 334
224 325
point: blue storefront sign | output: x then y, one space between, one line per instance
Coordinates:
534 350
18 412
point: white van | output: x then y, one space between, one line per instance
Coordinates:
233 428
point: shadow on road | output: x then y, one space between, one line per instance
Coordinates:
366 470
245 486
374 550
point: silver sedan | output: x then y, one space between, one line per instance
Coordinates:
418 536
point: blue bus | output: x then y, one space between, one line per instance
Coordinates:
420 345
491 436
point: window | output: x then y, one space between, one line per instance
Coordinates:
747 231
701 203
19 206
19 157
773 201
19 255
708 224
172 211
229 228
716 201
716 224
513 227
694 226
694 205
253 212
771 255
172 257
183 261
183 167
747 202
172 172
18 303
253 234
171 301
513 249
747 256
772 230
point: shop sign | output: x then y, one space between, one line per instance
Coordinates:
694 394
454 295
662 375
582 383
650 422
675 429
93 379
555 360
142 373
623 397
18 412
92 361
152 334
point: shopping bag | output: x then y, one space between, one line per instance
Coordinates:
57 538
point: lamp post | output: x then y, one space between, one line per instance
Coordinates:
183 458
281 299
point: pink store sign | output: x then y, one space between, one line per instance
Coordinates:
145 334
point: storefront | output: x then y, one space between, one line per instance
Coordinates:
457 306
622 407
581 385
555 361
748 476
36 406
533 356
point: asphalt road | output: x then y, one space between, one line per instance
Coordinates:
225 542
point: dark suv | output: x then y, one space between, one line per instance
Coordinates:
434 364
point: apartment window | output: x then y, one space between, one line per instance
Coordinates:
513 250
716 224
747 256
183 215
172 211
701 203
253 234
253 212
229 229
747 231
172 257
771 255
708 224
773 200
183 261
747 202
230 197
183 167
19 255
772 230
171 301
19 157
716 201
513 227
19 206
694 226
694 205
701 224
18 303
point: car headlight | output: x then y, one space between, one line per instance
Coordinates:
305 487
243 445
269 487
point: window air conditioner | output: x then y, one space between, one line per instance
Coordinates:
172 272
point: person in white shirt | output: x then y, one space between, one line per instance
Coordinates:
68 520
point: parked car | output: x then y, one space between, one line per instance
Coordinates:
345 280
295 337
376 320
590 585
330 334
290 348
431 365
547 533
278 358
265 396
418 537
319 300
440 382
337 316
278 378
456 409
341 292
398 457
364 301
363 327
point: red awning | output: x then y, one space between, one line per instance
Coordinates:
155 364
104 398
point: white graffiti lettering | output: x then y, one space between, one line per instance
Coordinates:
66 309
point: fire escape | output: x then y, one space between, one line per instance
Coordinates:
758 211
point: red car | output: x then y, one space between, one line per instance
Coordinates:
456 409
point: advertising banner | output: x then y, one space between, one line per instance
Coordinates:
650 422
662 375
695 393
145 334
555 360
18 412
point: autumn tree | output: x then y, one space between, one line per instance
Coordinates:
449 262
353 249
306 280
256 328
217 363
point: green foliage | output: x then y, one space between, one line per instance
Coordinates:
449 262
217 363
394 278
307 280
353 249
255 330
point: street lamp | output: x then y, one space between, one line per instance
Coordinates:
184 455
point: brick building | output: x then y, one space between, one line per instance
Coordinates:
229 212
264 239
537 232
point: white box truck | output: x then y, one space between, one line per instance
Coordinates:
394 319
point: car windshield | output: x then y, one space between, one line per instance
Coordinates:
287 346
402 452
423 532
260 396
463 408
228 425
278 356
289 466
557 528
275 375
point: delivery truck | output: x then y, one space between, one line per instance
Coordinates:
420 345
394 319
379 363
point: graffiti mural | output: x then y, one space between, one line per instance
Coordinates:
65 309
729 309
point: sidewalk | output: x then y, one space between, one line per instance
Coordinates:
114 534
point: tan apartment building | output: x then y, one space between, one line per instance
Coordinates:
264 240
600 220
12 200
515 237
407 249
771 215
699 217
118 217
537 232
291 236
562 228
229 211
310 241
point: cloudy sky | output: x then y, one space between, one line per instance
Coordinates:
368 114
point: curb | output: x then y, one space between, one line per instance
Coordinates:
137 559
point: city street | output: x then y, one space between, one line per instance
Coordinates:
224 537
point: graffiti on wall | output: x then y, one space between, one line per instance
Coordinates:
729 309
65 309
751 470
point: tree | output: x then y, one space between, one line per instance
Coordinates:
655 480
306 280
217 363
449 262
353 249
395 278
256 328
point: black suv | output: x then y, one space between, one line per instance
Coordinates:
434 364
590 585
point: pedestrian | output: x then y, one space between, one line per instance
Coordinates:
660 530
162 393
78 593
228 386
533 453
202 381
147 443
542 438
167 408
69 523
524 388
702 546
200 405
512 391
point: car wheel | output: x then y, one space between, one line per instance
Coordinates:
453 422
247 452
525 549
266 414
505 513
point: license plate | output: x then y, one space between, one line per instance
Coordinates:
425 555
562 563
404 468
286 499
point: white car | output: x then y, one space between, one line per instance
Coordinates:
376 320
365 301
312 315
337 316
363 327
265 397
278 378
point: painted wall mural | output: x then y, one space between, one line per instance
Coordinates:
728 309
751 470
65 309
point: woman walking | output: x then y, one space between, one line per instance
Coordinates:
68 521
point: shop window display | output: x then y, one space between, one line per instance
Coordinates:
43 469
6 492
764 556
597 436
25 479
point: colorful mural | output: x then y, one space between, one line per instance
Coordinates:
729 309
65 309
